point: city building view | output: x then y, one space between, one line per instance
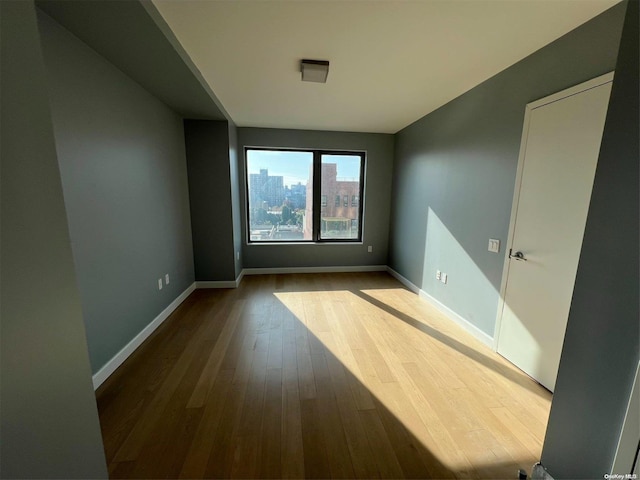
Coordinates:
339 205
281 206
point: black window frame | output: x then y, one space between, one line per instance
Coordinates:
316 206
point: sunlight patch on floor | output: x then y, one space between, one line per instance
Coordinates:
415 362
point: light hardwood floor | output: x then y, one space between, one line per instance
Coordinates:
318 376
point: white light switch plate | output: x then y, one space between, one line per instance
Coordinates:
494 245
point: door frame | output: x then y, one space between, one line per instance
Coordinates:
627 448
588 85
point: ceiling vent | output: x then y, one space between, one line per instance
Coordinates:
314 70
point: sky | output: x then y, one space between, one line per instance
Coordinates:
294 166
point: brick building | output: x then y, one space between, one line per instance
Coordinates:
339 205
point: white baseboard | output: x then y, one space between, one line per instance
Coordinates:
221 283
111 366
336 269
217 284
411 286
539 472
128 349
284 270
463 322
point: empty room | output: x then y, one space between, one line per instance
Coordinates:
320 239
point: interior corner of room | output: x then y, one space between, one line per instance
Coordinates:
124 189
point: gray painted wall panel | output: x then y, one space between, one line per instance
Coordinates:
123 167
134 37
49 417
455 171
600 352
236 185
207 145
379 148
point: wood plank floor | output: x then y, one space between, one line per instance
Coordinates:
318 376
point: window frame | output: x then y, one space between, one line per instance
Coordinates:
317 203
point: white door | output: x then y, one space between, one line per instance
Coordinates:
558 157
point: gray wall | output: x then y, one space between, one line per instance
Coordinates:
134 36
236 186
455 169
377 197
207 146
49 417
600 351
123 167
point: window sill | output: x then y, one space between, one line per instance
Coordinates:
261 244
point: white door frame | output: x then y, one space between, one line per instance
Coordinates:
628 441
596 82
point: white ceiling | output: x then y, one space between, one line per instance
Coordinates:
392 61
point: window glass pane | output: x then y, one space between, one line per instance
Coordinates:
280 194
340 180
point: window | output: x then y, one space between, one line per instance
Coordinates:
289 192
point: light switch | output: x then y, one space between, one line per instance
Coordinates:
494 245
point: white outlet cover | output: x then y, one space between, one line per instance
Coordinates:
370 249
166 279
444 278
438 274
159 284
494 245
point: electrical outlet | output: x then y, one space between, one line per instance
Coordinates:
159 284
494 245
438 274
444 278
370 248
166 279
237 255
